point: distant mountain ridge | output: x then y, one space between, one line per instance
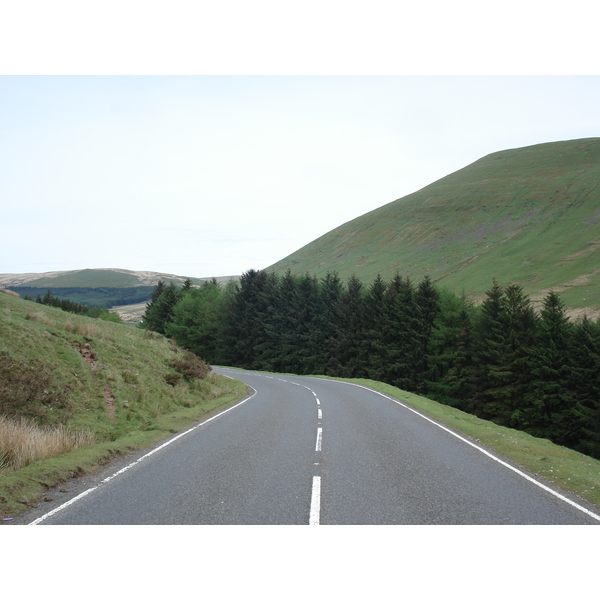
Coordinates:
119 278
527 215
126 291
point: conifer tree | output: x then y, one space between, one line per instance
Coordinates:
450 352
158 290
373 351
490 347
400 333
264 316
585 383
159 310
550 408
278 326
351 328
306 312
147 316
426 303
459 380
521 332
504 342
244 333
329 323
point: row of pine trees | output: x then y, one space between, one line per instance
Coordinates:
95 312
502 360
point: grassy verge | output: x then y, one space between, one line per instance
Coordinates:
565 468
24 488
125 388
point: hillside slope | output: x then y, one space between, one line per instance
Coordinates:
529 215
124 387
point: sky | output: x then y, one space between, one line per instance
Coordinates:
209 172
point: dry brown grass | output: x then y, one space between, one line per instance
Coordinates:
82 328
23 442
9 292
40 317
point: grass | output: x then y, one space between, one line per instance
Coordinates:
529 216
25 487
120 386
23 442
569 470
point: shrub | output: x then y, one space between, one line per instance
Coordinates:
191 366
173 378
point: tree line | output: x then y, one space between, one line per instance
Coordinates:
95 312
502 360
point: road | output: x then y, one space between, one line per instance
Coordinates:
302 450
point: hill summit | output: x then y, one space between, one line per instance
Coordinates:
529 216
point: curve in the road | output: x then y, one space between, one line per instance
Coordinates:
370 464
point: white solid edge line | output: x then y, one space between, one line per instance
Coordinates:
315 501
139 460
482 450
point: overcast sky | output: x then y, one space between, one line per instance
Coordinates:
212 175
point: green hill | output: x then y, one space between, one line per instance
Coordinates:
529 216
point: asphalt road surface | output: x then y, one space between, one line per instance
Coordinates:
301 450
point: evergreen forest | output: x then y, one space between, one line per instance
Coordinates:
533 370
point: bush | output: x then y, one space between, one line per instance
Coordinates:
173 378
191 366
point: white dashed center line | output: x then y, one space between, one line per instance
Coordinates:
319 439
315 502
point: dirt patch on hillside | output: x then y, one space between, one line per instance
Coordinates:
110 402
86 353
